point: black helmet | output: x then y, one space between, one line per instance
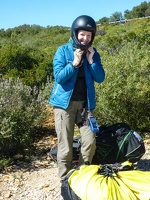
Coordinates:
86 23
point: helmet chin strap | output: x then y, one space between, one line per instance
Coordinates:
84 47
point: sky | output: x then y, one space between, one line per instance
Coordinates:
14 13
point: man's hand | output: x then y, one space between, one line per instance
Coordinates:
89 55
77 57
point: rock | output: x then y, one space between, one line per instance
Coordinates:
7 194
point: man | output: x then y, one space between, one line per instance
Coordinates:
76 66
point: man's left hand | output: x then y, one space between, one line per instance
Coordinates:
89 55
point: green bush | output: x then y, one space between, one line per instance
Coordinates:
125 93
22 109
31 65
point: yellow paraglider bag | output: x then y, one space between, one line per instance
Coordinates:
106 182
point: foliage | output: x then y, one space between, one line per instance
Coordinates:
142 10
21 109
138 11
27 52
26 63
117 36
104 20
125 94
4 163
46 89
116 16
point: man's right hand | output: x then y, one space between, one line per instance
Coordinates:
77 57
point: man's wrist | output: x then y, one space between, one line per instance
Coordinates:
74 64
77 65
91 62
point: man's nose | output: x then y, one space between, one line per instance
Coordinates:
85 37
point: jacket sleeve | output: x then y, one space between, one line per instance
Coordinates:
96 68
63 70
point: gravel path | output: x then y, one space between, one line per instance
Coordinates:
36 184
41 181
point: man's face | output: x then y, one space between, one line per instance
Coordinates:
84 37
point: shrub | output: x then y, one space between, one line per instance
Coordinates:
125 93
31 65
21 109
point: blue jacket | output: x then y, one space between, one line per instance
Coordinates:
65 77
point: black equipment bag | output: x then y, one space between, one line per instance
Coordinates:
76 151
118 143
114 144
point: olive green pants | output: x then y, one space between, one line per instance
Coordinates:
65 120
